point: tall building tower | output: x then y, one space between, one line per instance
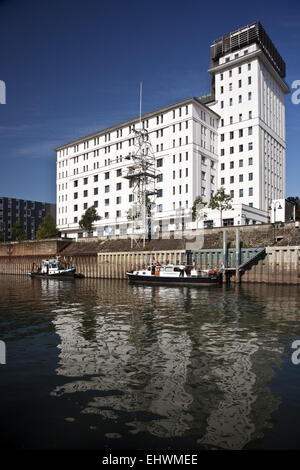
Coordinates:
248 91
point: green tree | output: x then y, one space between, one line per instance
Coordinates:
48 228
88 218
18 231
197 208
220 201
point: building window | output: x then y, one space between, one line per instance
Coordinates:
106 175
222 181
250 130
241 163
159 162
119 172
119 186
250 191
85 193
250 176
241 178
241 193
231 165
75 195
250 161
85 181
231 134
95 191
250 146
106 189
159 193
231 179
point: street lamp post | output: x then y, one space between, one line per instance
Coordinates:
274 223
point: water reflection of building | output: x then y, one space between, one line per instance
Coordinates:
178 362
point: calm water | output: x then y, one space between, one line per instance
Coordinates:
98 364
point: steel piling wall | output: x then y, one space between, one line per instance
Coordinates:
281 265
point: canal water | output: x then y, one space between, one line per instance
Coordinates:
102 364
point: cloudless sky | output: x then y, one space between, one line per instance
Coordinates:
73 67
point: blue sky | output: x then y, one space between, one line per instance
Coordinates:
72 67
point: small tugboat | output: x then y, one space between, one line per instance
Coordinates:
178 275
52 268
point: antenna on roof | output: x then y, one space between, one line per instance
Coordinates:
141 95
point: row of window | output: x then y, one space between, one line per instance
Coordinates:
241 163
240 133
240 68
239 120
240 84
241 149
242 193
241 179
240 99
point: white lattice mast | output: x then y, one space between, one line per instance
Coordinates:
142 174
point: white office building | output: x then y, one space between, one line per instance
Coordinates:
234 137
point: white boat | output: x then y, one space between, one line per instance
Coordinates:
52 268
175 275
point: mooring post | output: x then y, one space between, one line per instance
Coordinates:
225 255
237 255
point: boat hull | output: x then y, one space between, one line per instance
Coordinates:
171 281
68 274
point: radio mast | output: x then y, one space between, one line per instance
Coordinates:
142 176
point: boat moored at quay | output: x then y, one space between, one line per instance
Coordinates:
53 268
171 274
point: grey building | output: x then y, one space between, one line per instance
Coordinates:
29 213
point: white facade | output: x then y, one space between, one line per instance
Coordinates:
91 171
249 97
236 141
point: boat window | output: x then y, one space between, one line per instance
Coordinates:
169 269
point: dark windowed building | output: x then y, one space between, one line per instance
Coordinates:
29 213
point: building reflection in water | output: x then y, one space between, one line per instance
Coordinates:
178 362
